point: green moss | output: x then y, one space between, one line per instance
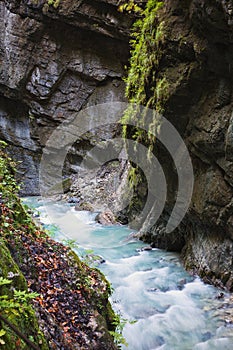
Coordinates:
54 3
97 294
14 219
129 6
145 85
17 224
8 266
134 177
147 38
25 320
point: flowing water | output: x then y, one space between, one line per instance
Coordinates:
173 310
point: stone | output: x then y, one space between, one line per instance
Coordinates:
73 200
106 218
84 206
229 141
147 248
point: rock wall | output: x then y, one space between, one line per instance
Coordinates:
54 62
195 55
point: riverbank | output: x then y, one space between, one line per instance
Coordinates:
71 308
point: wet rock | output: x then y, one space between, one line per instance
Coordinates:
229 141
73 200
143 249
122 218
181 284
106 218
206 336
84 206
220 296
148 248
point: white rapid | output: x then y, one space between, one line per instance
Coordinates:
173 310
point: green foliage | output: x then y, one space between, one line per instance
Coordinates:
54 3
144 86
133 177
23 297
4 281
52 230
129 6
71 243
9 188
2 333
7 170
120 323
50 4
16 303
144 83
147 36
13 304
86 255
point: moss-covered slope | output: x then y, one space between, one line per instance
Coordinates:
71 306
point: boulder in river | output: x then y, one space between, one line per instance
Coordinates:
106 218
84 206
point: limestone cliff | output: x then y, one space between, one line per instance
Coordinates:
192 52
54 62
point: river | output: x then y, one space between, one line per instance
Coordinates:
172 310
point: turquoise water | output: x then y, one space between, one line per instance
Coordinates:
173 310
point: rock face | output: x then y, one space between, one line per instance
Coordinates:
195 57
54 62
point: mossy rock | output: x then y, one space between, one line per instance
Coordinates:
17 233
8 267
26 321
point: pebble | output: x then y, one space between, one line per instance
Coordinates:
73 200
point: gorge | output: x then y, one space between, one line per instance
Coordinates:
61 57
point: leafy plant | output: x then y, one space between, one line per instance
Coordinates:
18 302
129 6
7 170
54 3
24 297
4 281
2 333
144 85
147 36
52 230
50 3
71 243
120 323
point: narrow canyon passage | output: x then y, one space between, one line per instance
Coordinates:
124 106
